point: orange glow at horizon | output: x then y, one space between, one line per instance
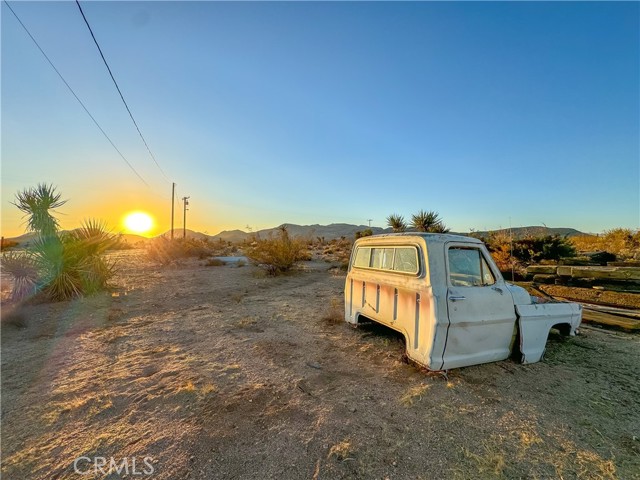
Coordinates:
138 222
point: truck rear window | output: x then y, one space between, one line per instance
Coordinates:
392 259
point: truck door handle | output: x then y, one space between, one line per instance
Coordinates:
456 298
497 289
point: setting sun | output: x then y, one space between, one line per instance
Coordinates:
138 222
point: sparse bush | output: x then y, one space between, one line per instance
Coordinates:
364 233
623 242
165 251
277 255
499 244
7 244
518 253
61 265
335 312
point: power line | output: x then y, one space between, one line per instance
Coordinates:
74 94
118 88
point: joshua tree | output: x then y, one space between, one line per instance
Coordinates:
396 222
428 222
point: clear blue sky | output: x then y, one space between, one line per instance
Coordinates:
266 113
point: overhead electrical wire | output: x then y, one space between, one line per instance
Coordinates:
120 92
74 94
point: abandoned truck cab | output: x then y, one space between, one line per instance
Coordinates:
447 297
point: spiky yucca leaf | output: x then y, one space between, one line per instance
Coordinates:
21 268
35 203
396 222
428 222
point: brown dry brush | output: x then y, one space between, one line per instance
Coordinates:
279 254
165 251
623 242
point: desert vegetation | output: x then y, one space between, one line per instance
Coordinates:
622 242
518 253
422 221
60 265
277 254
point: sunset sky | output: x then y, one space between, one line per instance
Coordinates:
266 113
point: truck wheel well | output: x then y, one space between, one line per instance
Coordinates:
563 328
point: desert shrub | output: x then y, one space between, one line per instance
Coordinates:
165 251
7 244
60 264
499 244
277 254
550 247
334 313
623 242
363 233
518 253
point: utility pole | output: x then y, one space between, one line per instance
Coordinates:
173 197
370 220
184 220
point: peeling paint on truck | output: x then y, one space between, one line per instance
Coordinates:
446 296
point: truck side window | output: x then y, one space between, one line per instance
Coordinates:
362 257
406 260
468 268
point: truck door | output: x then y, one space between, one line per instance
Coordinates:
480 308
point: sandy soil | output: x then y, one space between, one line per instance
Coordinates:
217 372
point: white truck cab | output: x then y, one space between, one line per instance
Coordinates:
446 296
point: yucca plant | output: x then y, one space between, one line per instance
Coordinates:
24 273
36 204
60 264
428 222
397 223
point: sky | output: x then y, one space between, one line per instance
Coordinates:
490 113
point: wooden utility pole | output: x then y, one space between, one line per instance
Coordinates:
184 220
369 220
173 197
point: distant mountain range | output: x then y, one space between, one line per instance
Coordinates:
338 230
328 232
535 231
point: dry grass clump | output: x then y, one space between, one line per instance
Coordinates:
491 463
342 451
277 255
414 394
335 312
166 251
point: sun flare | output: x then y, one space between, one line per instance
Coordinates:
138 222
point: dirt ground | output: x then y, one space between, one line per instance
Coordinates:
221 373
